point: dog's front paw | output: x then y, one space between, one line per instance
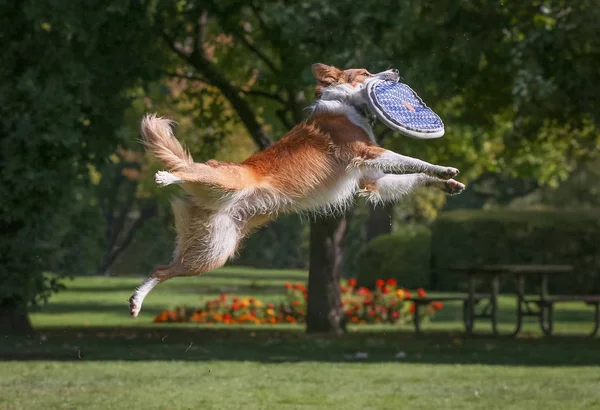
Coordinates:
164 178
453 187
446 172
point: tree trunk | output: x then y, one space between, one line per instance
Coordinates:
324 310
13 317
379 221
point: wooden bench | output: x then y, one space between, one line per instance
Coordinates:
418 302
546 306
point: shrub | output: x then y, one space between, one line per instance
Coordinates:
402 255
470 237
387 304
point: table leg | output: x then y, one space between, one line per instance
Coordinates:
546 318
417 317
494 303
469 306
596 319
520 300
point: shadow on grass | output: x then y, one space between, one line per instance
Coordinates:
293 345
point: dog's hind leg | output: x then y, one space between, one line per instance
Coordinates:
158 275
205 242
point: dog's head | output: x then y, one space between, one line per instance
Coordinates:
327 76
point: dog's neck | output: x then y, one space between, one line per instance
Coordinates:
344 99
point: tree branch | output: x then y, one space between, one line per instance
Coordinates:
215 77
266 94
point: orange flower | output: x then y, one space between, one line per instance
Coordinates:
400 294
295 303
352 282
273 320
287 286
354 319
162 317
223 296
421 292
290 319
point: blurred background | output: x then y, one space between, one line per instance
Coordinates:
515 82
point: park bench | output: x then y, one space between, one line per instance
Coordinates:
427 300
541 306
546 309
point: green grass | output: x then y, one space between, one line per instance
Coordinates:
88 353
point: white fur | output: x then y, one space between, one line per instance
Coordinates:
140 294
342 99
164 178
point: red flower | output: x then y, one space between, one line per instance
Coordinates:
395 314
235 306
226 316
412 308
300 287
343 289
223 296
301 312
407 294
437 305
236 300
391 282
295 303
271 306
368 303
371 312
421 292
287 286
349 313
363 291
379 283
352 282
385 290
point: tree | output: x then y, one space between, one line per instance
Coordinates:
61 101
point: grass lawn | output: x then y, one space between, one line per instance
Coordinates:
88 353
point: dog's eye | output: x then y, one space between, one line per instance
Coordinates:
366 74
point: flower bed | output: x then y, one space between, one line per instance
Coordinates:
386 304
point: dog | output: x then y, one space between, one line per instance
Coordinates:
318 167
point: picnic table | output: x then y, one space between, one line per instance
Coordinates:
540 305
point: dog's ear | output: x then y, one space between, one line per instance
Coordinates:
326 74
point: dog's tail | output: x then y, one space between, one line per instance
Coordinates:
158 138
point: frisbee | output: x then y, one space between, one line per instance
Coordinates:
401 109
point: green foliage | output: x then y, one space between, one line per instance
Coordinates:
281 244
517 236
403 255
65 72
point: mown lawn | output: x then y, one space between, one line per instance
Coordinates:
88 353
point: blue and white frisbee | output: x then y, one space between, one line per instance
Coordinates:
401 109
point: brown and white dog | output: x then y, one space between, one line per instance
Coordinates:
319 166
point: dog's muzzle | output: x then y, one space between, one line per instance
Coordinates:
388 75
